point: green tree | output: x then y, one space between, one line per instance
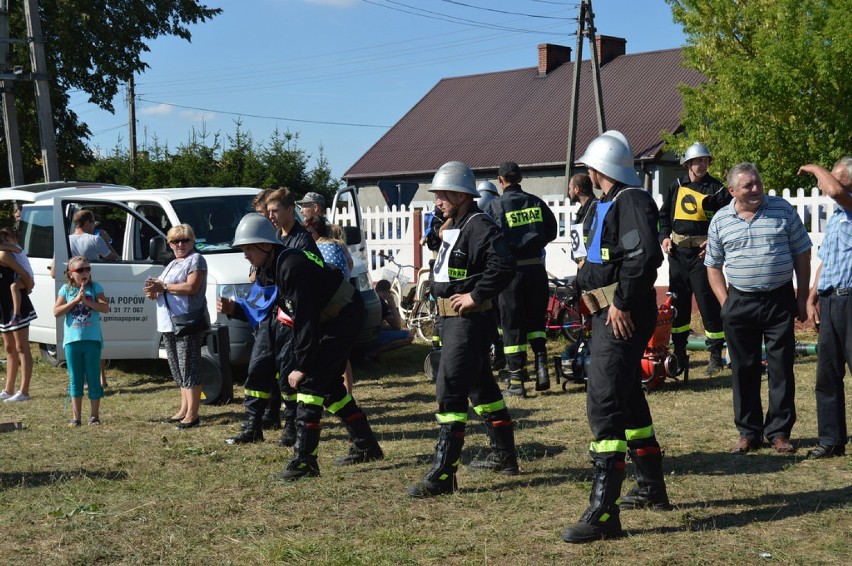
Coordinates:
94 46
205 161
780 88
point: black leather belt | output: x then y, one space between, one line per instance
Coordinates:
843 291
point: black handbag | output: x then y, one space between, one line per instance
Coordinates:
194 322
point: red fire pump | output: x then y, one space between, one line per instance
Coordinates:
657 362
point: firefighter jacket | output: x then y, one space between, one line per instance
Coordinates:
311 293
622 246
689 206
473 258
525 221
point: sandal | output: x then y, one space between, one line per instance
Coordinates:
93 421
74 423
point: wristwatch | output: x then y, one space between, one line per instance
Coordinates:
165 288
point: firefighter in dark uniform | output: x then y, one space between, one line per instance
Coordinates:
326 314
473 265
528 225
684 217
488 192
617 281
281 208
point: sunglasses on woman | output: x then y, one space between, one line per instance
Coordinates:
180 241
81 270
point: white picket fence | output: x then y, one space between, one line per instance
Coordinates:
391 230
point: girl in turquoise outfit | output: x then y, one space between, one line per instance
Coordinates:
81 301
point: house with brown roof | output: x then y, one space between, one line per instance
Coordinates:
523 115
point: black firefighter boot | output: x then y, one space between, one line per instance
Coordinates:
503 457
304 460
498 362
516 387
715 365
601 519
542 377
650 491
288 426
679 341
251 431
364 447
441 479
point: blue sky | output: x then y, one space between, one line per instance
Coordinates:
340 72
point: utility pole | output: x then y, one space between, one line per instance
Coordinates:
585 18
131 105
7 89
47 134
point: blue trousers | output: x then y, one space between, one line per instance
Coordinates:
84 363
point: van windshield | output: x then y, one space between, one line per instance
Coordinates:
214 219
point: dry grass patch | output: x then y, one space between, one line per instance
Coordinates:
135 491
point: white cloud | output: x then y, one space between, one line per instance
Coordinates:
197 116
158 110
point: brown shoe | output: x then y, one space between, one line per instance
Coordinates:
782 445
745 445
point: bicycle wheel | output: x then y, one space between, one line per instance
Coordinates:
423 319
571 322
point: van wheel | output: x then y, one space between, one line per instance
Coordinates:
217 387
48 355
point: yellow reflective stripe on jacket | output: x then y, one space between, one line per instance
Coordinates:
608 446
714 335
639 433
514 349
334 407
680 329
524 217
288 396
313 257
255 393
445 418
490 407
536 334
309 399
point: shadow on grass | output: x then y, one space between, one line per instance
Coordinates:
726 464
10 480
761 509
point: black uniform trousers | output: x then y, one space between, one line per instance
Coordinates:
688 275
835 347
323 384
271 354
615 401
465 371
749 318
523 305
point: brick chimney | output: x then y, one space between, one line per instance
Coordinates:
551 56
609 47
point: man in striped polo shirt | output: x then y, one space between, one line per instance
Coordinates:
760 241
830 309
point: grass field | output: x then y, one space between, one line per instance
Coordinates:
135 491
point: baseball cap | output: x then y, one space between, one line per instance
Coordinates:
507 168
312 198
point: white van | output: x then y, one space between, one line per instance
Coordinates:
137 222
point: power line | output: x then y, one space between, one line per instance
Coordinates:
504 11
283 119
444 17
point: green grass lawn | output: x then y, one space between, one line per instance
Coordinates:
135 491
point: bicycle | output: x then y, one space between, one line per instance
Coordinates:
563 312
416 306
